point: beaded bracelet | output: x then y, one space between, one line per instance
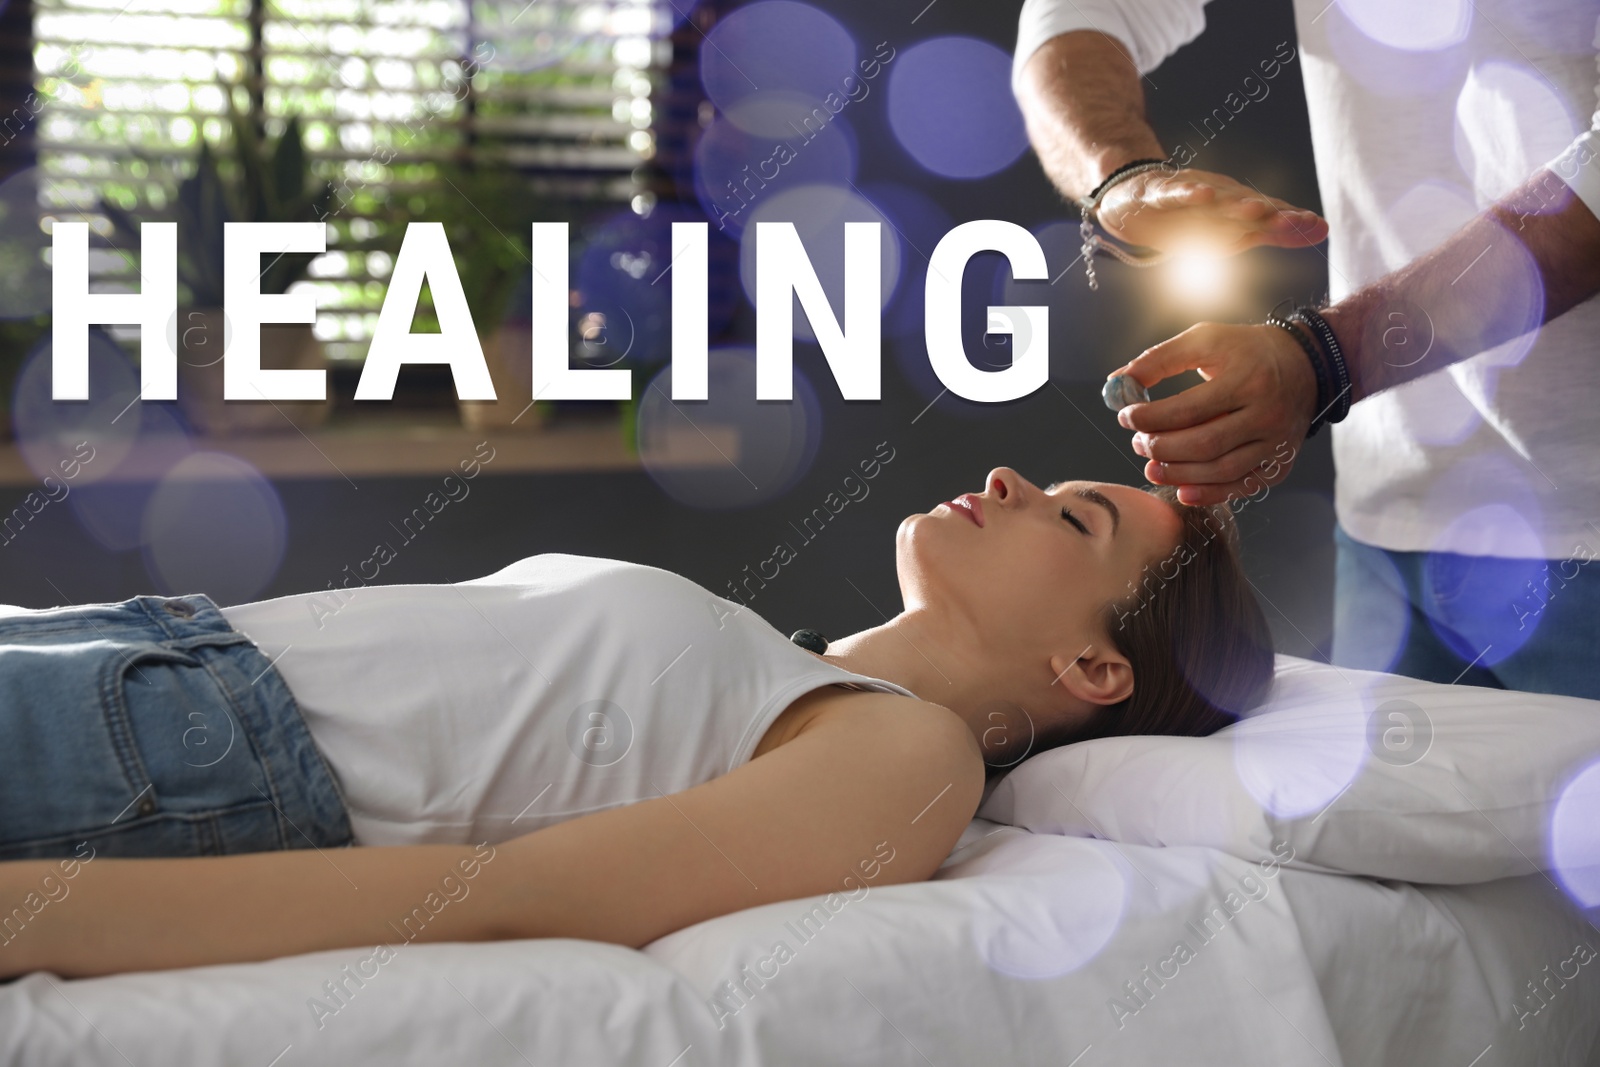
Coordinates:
1127 170
1330 343
1319 369
1321 346
1091 203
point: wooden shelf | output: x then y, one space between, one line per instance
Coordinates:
395 447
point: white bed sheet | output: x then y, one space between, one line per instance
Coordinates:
1014 954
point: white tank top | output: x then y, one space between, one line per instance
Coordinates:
558 686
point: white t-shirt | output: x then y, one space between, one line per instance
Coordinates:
1421 116
555 687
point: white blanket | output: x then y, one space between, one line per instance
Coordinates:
1158 901
1025 949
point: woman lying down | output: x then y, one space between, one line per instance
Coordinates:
576 746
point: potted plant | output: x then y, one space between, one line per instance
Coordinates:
268 181
487 213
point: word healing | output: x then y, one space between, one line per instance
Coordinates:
784 272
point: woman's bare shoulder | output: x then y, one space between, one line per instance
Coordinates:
832 707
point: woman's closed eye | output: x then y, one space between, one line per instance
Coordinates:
1066 513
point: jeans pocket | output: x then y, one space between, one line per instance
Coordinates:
133 746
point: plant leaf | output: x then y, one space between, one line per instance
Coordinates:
122 222
247 154
212 211
287 188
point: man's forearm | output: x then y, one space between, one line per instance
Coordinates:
154 914
1084 107
1471 292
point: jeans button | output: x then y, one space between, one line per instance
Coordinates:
179 608
147 805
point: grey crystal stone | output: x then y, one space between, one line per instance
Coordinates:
1122 390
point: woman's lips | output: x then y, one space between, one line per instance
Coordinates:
968 505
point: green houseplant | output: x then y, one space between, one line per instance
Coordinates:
256 179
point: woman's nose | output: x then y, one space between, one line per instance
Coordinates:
1002 482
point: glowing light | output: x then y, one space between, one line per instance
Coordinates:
1044 913
728 451
1476 484
1486 607
49 433
951 108
111 510
1297 763
787 47
1421 219
1508 122
1196 276
1414 26
1423 216
735 171
1508 303
819 213
214 523
1575 837
1392 71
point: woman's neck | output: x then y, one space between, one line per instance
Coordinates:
913 652
938 664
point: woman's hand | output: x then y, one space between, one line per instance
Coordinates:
1167 210
1238 430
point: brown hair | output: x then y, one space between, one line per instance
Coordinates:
1193 632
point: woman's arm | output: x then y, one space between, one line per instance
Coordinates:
884 776
876 796
152 914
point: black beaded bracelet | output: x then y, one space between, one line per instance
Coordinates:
1340 402
1319 369
1094 195
1089 215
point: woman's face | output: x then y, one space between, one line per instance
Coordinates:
1030 579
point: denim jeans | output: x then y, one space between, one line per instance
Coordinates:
153 728
1489 621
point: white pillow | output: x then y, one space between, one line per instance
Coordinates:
1353 772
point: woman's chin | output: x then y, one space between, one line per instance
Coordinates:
923 546
909 524
917 528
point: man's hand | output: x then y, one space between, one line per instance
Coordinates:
1199 208
1084 107
1239 429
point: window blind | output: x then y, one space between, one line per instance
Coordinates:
386 90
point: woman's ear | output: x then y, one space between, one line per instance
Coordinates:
1099 675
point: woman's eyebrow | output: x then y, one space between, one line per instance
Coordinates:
1094 496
